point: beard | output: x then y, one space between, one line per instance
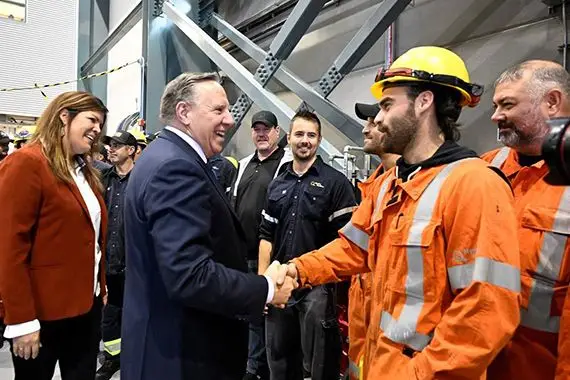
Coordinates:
533 129
302 157
401 132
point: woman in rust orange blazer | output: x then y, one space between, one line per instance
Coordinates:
51 239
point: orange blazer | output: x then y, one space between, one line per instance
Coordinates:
47 242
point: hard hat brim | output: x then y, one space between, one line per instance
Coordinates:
378 88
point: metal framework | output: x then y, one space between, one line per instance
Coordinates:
241 77
193 46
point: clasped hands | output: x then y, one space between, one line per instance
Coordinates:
284 277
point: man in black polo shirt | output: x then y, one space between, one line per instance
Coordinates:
122 150
255 173
306 205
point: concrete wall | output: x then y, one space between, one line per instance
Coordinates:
41 50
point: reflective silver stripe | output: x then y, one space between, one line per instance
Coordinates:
381 194
344 211
404 329
403 334
485 270
355 235
269 218
537 316
501 157
354 369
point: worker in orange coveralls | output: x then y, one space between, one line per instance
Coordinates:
360 286
526 96
438 232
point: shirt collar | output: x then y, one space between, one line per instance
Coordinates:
316 167
190 141
271 157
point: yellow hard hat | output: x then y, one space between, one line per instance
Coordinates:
140 136
24 133
430 64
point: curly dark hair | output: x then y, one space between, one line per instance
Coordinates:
447 106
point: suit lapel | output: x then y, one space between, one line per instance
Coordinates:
168 135
79 198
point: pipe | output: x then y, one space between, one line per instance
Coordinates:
565 25
389 46
142 110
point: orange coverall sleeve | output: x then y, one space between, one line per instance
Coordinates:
563 364
483 268
343 257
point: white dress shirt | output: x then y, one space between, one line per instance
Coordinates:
194 144
13 331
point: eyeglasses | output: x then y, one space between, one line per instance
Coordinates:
472 89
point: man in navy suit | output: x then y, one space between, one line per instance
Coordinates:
188 296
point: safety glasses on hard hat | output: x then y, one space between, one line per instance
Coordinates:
472 89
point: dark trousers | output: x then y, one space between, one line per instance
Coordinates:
112 316
305 331
257 358
74 342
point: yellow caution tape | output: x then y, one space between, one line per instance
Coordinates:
39 87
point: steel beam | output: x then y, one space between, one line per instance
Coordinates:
239 75
386 13
289 35
115 36
346 124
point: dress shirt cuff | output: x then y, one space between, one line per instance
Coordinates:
270 289
14 331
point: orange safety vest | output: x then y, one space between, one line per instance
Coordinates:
543 213
446 280
359 305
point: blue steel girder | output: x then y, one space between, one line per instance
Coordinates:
291 32
240 75
386 13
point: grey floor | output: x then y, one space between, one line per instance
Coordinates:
7 373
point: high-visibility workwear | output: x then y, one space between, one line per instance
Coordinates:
543 213
430 64
359 296
445 278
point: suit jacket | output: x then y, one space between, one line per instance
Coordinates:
47 249
187 293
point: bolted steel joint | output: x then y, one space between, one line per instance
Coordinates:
157 7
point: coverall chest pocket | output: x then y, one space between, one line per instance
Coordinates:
544 238
410 265
314 203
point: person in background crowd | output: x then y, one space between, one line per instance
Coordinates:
142 141
23 136
225 171
526 96
305 207
188 297
5 141
361 284
100 159
52 276
122 151
255 173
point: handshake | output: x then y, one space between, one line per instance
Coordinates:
284 277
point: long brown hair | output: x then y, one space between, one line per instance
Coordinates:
49 135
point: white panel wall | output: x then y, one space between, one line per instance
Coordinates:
123 86
42 50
